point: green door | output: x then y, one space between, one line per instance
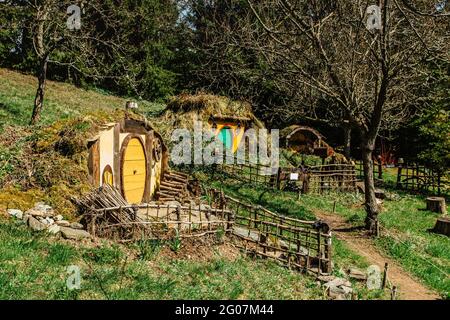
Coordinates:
226 137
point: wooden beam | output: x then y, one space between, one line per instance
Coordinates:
116 157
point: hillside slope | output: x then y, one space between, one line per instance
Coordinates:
62 100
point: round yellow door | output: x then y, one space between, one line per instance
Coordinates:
134 171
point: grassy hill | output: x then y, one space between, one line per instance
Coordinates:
34 265
62 100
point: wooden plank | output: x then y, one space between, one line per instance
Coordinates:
94 163
116 165
148 150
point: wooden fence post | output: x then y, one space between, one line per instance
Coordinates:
399 176
279 178
383 285
380 170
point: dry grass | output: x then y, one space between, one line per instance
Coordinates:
49 163
184 109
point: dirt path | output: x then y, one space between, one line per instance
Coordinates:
408 287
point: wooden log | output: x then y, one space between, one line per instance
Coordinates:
442 226
436 204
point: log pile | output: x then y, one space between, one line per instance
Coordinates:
173 187
107 197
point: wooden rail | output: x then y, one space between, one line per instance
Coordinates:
317 179
300 244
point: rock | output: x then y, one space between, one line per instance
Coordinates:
337 282
340 297
76 225
205 207
379 202
54 229
357 274
74 234
41 206
50 221
63 223
339 288
347 290
15 213
40 209
35 224
35 213
25 218
59 217
173 203
326 278
336 293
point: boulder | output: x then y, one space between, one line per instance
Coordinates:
15 213
59 217
76 225
25 218
339 289
35 213
75 234
54 229
337 282
35 224
357 274
63 223
326 278
46 209
50 221
40 209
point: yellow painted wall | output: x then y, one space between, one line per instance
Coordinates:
156 177
132 181
237 132
106 149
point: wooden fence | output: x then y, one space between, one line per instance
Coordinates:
156 221
252 173
305 245
419 178
317 179
300 244
377 170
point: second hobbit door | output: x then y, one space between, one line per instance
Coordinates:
134 171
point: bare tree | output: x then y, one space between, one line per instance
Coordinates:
78 35
365 60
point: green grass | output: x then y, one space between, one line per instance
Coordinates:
62 100
34 267
286 203
405 236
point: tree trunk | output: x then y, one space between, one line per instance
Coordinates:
371 205
39 99
347 141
